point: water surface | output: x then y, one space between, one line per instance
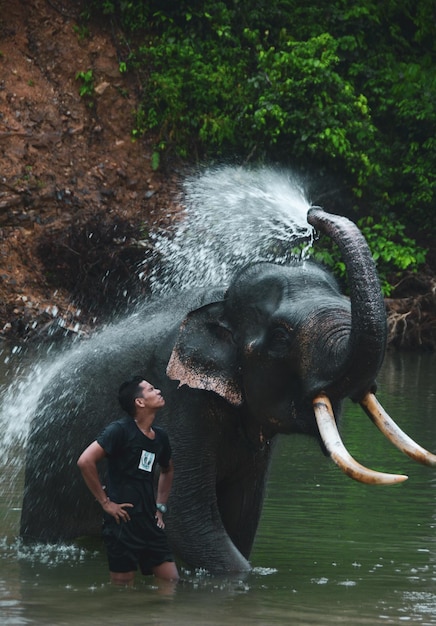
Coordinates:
328 550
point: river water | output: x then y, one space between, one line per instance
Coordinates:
328 550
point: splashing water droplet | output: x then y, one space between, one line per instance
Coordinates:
17 407
234 216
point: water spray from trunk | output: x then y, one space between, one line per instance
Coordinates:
233 216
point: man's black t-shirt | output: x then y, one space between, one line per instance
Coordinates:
132 460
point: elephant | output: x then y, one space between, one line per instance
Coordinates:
274 351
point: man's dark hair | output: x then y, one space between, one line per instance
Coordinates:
128 392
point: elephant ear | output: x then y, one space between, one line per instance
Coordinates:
205 354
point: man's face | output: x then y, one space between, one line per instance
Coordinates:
150 396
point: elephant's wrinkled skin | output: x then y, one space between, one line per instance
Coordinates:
237 366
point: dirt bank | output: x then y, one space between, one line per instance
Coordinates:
75 191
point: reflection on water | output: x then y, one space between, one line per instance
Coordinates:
328 550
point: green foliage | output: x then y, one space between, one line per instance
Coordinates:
392 250
192 100
300 99
389 243
82 31
225 93
343 89
86 89
155 160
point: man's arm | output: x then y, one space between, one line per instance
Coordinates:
87 464
163 489
165 483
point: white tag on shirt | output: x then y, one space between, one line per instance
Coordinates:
147 460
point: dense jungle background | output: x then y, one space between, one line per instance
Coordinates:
106 105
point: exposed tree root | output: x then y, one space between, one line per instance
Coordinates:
412 320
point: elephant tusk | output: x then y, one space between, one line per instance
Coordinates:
333 442
393 432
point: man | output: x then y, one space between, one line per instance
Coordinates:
133 528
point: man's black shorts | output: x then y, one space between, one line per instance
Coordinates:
130 545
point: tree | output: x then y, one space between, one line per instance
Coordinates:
344 88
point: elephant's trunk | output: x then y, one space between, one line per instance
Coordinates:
369 330
365 354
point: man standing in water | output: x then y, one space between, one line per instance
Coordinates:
133 527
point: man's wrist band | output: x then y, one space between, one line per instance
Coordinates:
161 507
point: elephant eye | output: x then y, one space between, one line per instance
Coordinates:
221 332
279 339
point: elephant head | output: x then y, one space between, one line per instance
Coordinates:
286 345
